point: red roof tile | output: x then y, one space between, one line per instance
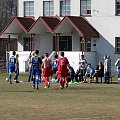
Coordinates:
82 26
52 22
26 22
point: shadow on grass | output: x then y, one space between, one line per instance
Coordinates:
16 91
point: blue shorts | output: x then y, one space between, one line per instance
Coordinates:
36 71
118 73
54 68
11 69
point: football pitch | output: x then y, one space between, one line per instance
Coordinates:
77 102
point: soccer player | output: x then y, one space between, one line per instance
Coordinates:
47 69
62 69
12 66
17 69
36 69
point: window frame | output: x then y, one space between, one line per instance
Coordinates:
116 45
116 8
26 41
49 8
88 44
64 3
84 45
28 13
67 39
86 5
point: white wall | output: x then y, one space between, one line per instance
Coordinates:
75 7
21 7
75 41
44 43
23 60
102 18
73 58
106 23
20 43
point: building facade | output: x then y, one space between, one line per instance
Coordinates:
70 25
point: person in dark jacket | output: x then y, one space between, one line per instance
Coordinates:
99 71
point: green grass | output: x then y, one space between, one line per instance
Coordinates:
77 102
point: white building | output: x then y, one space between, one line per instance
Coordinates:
90 27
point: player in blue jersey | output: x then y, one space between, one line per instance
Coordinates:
36 69
12 66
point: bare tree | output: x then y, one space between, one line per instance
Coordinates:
8 9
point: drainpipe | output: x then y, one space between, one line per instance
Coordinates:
58 39
57 36
30 47
56 46
83 45
8 43
33 42
8 54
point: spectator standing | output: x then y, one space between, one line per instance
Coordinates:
17 69
109 65
82 67
62 69
106 69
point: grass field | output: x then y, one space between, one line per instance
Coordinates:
77 102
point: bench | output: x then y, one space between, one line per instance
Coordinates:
101 78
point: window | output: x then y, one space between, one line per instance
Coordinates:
65 8
85 7
85 46
26 46
48 8
65 43
88 44
29 8
117 7
117 45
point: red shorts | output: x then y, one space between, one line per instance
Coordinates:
47 71
62 74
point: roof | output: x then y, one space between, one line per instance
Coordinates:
81 25
26 22
23 23
49 22
52 22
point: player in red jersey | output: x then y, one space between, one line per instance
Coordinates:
47 70
62 69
